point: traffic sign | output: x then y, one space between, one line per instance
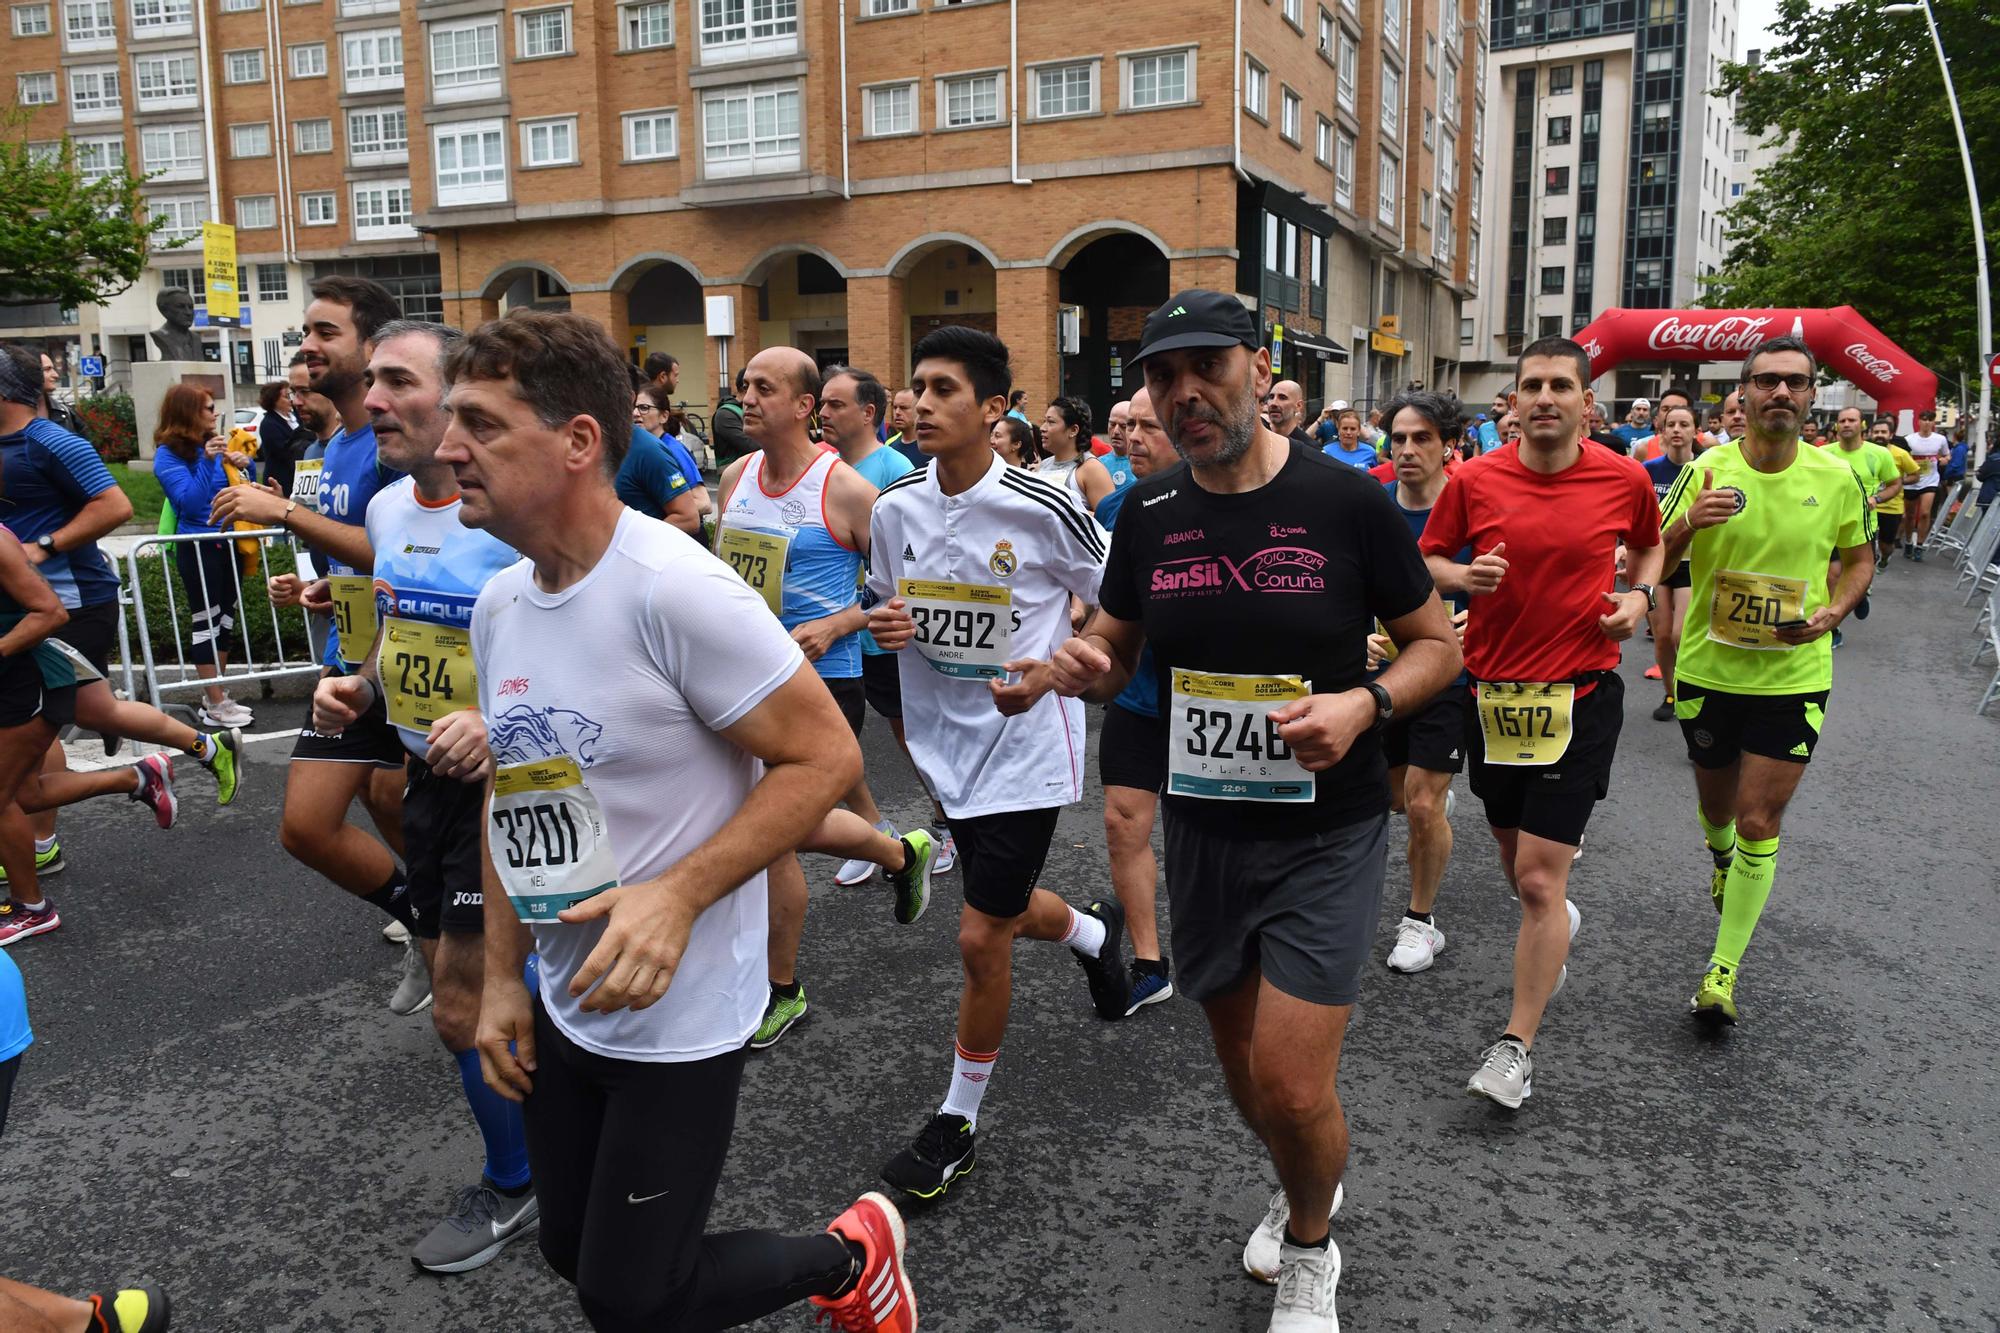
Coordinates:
1993 369
91 366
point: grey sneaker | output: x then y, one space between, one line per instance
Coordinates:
481 1222
1506 1074
1262 1257
413 992
1305 1290
1575 920
858 871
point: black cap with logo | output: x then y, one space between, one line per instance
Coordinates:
1199 318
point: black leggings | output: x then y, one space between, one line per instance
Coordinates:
627 1156
210 606
8 1069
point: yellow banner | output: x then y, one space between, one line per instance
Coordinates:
1386 344
218 263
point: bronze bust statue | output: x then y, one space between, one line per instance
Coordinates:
176 338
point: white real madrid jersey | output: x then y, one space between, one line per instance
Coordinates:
1011 533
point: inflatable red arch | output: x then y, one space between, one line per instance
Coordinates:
1844 342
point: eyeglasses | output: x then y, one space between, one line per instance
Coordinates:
646 409
1768 380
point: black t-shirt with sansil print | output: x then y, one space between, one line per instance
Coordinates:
1285 580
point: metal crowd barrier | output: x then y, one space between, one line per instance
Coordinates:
1956 534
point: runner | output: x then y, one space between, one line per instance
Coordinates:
1756 667
1541 645
1931 450
975 566
1876 469
1676 440
1889 513
903 426
1119 461
1732 417
1349 448
1255 575
428 570
794 524
657 479
618 664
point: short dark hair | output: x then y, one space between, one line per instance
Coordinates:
1784 342
1674 392
563 366
1555 346
1014 398
659 363
368 303
270 392
1074 412
984 357
298 359
1442 412
868 390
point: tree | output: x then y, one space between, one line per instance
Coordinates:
65 240
1867 206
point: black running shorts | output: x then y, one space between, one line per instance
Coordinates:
1720 727
92 630
1001 857
24 698
1553 801
1132 750
1433 737
370 740
441 818
848 692
882 682
1887 526
1682 577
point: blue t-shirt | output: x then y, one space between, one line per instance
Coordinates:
1664 472
47 475
1110 507
349 477
1141 694
1632 434
15 1034
651 478
880 468
907 448
1363 455
190 487
1326 432
1120 467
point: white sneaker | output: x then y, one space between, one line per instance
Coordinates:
1305 1291
1577 855
1575 920
1417 945
396 932
1262 1257
228 713
947 855
413 991
859 871
1506 1074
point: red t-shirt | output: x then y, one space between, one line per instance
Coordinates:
1099 445
1385 471
1562 534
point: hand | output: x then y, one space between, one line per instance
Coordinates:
1079 614
263 505
1321 728
816 637
285 589
1077 665
214 446
1628 612
507 1017
458 747
1711 507
34 552
1013 700
1483 575
1377 651
317 597
1618 563
1458 620
241 462
1819 623
339 702
645 933
891 625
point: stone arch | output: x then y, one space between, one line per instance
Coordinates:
495 284
759 269
1073 244
627 274
905 260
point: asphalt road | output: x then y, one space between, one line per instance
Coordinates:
219 1100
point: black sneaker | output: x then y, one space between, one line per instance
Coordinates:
1665 712
941 1153
1861 608
1110 984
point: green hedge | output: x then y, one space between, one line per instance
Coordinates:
153 576
143 490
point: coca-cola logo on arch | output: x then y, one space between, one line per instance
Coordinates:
1729 333
1880 367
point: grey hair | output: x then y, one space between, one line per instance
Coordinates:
443 336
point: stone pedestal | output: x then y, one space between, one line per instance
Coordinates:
152 379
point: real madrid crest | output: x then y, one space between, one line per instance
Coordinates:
1003 561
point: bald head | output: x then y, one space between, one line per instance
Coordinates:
780 390
1284 407
1150 448
1119 426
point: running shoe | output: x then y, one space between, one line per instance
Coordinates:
1653 672
18 923
779 1015
481 1222
1861 608
46 863
396 932
941 1153
947 857
1417 945
224 715
1150 985
1506 1074
1577 855
1575 920
131 1310
225 753
1918 554
1714 1000
1306 1285
860 871
1110 986
413 992
1665 712
881 1299
913 882
1718 879
1262 1257
156 788
1838 638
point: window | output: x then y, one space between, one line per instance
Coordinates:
972 99
1586 226
1424 207
1651 222
1552 281
1593 73
317 209
643 27
1448 93
1649 273
1316 261
891 109
181 280
1555 231
1586 176
255 212
1465 331
312 136
309 60
1652 169
172 152
241 6
243 66
879 8
1562 79
1392 101
1162 79
1326 34
1430 53
465 60
273 283
542 32
1592 122
183 215
1555 180
166 83
1656 116
382 208
36 89
371 61
1388 182
1065 90
1345 70
358 8
1548 326
376 135
1661 61
98 158
88 25
1392 22
1291 111
1472 254
1585 278
1447 165
549 143
1478 129
1343 169
31 20
1430 129
1295 14
1256 87
1558 129
471 158
162 18
1478 188
650 135
1323 141
93 92
746 29
250 140
1736 189
1446 233
754 130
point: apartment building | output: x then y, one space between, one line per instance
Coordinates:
846 173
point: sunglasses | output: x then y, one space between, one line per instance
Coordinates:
1768 380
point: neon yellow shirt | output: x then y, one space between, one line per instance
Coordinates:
1872 463
1765 566
1908 467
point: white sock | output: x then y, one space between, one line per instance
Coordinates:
970 1073
1085 934
43 846
35 906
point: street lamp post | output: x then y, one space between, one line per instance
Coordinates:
1985 291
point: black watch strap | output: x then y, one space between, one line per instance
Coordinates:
1385 707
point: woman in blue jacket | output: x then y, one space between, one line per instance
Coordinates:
188 458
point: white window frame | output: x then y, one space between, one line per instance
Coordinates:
258 221
1323 141
179 95
375 145
307 60
97 32
26 23
96 92
742 33
873 99
1448 92
1066 69
1346 152
162 18
1291 115
246 130
245 66
319 208
572 152
526 36
773 160
310 126
269 292
188 212
1256 88
1446 232
379 67
352 9
1478 187
973 86
1392 22
1430 129
1392 101
241 6
359 218
875 9
475 80
1295 13
110 148
654 118
1128 78
37 88
461 183
631 25
1388 189
1347 71
1329 32
173 152
1424 208
1447 164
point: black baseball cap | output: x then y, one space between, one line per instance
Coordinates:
1199 318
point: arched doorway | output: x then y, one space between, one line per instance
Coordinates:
663 310
1113 281
528 287
802 303
948 281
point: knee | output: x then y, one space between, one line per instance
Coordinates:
1294 1098
1122 830
301 839
985 947
1757 825
1426 809
1541 890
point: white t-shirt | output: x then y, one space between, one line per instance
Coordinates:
1929 451
631 672
1010 530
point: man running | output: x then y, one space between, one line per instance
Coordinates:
974 566
1756 664
903 426
620 665
428 570
1541 645
1889 511
1931 449
1876 469
1256 575
1676 440
1118 462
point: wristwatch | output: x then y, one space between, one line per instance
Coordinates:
1652 602
47 541
1385 707
285 519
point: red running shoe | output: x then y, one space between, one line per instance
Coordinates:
1653 671
881 1300
156 788
17 923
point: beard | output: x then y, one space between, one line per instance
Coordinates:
1238 431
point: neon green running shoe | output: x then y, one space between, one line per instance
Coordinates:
779 1015
46 863
222 762
913 882
1718 882
1715 1001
